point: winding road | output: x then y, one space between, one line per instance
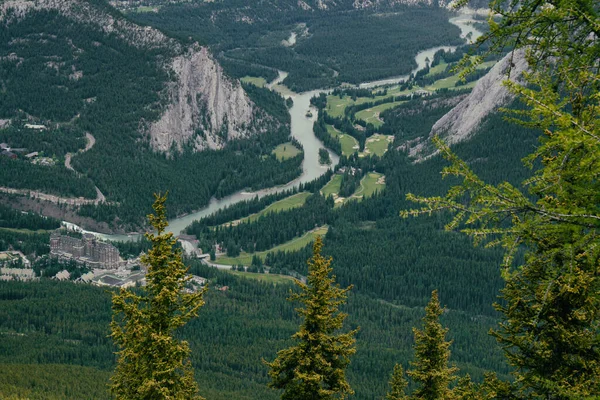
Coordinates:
91 141
74 201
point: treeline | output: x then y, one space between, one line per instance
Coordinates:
57 180
33 244
48 142
342 45
48 267
118 90
235 330
246 207
11 218
269 230
402 122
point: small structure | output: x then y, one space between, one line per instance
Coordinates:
63 275
31 155
36 127
4 146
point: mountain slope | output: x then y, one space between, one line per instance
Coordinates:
199 87
486 97
151 102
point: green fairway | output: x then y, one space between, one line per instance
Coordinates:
450 82
377 144
337 105
333 186
288 203
371 115
260 82
348 143
369 184
270 278
441 67
292 245
285 151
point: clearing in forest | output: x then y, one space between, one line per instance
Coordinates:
348 143
292 245
377 144
371 115
256 81
294 201
333 186
285 151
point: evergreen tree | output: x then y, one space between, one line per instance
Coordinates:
551 324
430 370
397 385
314 368
152 363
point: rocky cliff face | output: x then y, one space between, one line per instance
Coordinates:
487 96
205 109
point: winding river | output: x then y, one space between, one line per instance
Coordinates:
302 130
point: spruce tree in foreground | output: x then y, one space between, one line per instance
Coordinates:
430 370
152 363
397 385
314 368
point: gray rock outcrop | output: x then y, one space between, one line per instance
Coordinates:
205 109
487 96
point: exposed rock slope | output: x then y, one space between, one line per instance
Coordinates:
205 108
487 96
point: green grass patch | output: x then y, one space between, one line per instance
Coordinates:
270 278
288 203
256 81
292 245
438 69
348 143
333 186
369 184
336 105
371 115
450 82
377 144
285 151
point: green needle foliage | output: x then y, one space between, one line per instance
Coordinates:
550 330
398 385
314 368
152 363
430 370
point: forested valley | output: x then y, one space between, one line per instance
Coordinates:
71 78
250 319
332 46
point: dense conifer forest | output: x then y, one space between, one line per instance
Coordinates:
332 46
116 86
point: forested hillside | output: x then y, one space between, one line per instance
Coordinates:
393 263
331 46
63 77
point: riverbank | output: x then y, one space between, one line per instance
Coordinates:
302 130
